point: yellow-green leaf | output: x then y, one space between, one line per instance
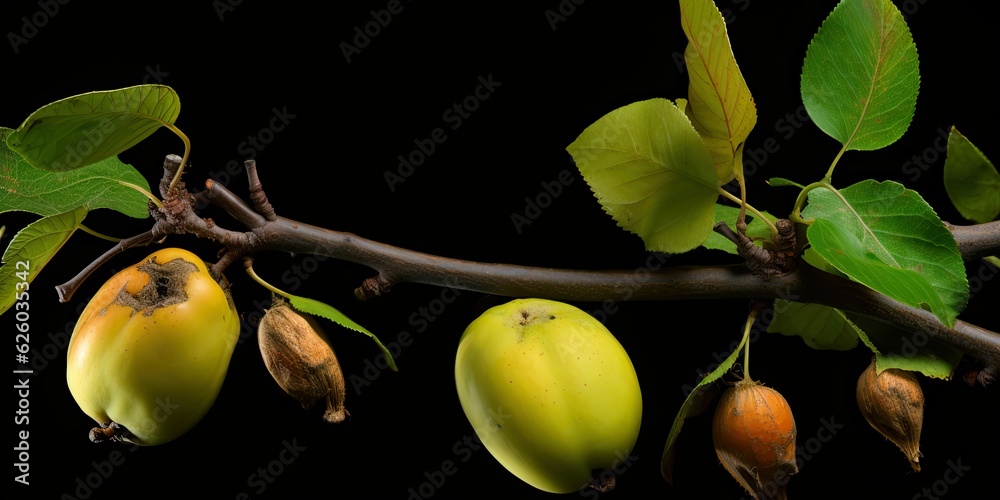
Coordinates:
720 105
652 173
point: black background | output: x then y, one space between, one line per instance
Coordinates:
327 168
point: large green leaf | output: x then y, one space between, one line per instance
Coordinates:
652 173
31 249
821 327
971 180
861 75
888 238
720 105
48 193
86 128
756 229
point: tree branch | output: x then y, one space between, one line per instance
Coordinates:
806 284
978 240
653 281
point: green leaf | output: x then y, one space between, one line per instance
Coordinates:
861 76
756 228
888 238
84 129
720 105
971 180
782 182
821 327
318 308
31 249
906 350
49 193
694 399
651 172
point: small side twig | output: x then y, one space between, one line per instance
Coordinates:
257 195
66 290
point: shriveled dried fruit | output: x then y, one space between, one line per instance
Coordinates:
754 435
893 403
301 360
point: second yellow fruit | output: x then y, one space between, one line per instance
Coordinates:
550 392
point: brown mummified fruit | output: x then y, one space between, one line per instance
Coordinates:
754 435
300 359
893 403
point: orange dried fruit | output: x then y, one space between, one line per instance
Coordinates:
754 435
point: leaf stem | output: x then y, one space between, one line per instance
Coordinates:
836 159
757 214
99 235
187 152
796 215
154 199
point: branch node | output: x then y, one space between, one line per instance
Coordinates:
170 165
761 262
373 287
